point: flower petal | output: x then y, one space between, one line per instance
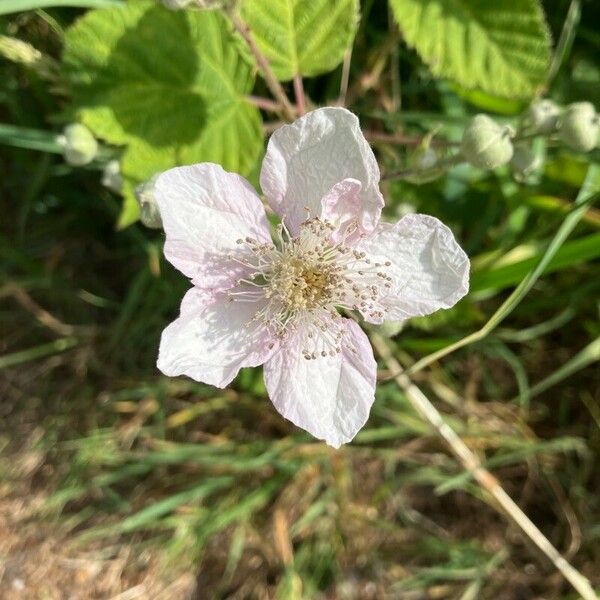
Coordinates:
329 397
211 340
305 159
429 270
341 206
204 210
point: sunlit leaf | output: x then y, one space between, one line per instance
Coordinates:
301 37
169 86
500 47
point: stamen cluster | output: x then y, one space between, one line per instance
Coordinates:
302 282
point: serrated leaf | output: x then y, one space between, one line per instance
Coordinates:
501 47
301 37
169 86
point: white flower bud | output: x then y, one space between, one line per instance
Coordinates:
149 212
111 176
79 145
486 144
579 126
542 116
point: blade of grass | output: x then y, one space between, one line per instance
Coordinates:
565 42
533 448
587 194
151 515
539 330
31 139
155 511
473 589
587 356
17 358
218 519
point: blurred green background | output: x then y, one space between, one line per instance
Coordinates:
116 482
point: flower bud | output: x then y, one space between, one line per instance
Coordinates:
79 145
111 176
579 126
149 212
542 116
486 144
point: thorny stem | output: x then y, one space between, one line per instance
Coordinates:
473 465
300 97
272 82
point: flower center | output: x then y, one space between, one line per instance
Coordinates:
299 284
302 282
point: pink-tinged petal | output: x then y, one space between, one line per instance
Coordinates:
341 206
204 210
212 339
306 159
331 396
429 270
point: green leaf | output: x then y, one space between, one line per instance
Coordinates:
12 6
169 86
507 273
500 47
300 37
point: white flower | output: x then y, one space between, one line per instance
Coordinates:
256 301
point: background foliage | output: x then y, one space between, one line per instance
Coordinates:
141 470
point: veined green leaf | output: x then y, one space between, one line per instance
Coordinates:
169 86
300 37
500 47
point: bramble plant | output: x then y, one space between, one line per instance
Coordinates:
326 175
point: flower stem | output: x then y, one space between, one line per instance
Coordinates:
271 80
473 465
299 93
264 103
444 163
402 139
